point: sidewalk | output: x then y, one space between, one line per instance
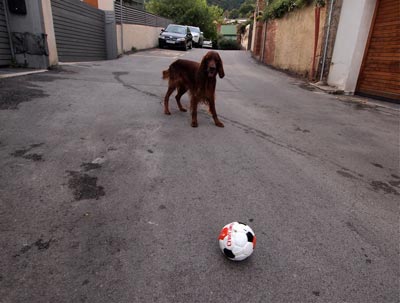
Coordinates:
354 98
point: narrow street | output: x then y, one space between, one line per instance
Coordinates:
103 198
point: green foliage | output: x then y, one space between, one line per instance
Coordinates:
226 4
247 8
279 8
233 14
188 12
243 11
228 44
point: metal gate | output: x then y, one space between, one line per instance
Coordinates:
5 50
79 30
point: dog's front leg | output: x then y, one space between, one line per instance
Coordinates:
211 102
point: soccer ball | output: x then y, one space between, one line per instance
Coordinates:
237 241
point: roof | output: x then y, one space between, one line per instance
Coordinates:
228 30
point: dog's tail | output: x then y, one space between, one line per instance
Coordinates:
165 74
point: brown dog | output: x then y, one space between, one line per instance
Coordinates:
199 79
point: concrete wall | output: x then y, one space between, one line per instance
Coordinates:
244 39
138 36
351 39
49 30
253 34
106 5
329 37
29 36
290 41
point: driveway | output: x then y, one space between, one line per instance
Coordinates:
103 198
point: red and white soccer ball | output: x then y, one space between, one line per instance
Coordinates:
237 241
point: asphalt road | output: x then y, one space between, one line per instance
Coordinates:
103 198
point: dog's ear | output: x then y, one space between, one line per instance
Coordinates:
220 67
203 64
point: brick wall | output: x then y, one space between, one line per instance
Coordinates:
269 48
288 43
258 39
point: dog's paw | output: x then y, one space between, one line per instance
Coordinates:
194 124
219 124
183 110
167 113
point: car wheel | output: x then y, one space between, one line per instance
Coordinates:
185 47
191 45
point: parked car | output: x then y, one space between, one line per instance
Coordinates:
176 36
197 36
207 44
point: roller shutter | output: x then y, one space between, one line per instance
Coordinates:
5 51
79 30
380 71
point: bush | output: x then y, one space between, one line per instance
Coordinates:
228 44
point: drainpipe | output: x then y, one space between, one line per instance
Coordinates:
122 31
317 12
8 30
328 30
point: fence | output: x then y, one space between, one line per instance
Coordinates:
134 16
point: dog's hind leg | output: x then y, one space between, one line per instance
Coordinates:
181 90
193 109
166 99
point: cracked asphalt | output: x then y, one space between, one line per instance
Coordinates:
103 198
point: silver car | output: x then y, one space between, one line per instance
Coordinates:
197 36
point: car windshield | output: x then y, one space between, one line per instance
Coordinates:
194 29
176 29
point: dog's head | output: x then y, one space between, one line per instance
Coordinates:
212 64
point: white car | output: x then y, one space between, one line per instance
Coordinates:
197 36
207 44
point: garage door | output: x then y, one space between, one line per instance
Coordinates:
380 72
5 51
79 30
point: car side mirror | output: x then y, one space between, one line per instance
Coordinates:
201 33
163 30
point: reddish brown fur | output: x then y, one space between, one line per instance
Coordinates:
199 79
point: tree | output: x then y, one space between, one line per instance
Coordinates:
247 8
188 12
234 14
226 4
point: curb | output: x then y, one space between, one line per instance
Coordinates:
17 74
